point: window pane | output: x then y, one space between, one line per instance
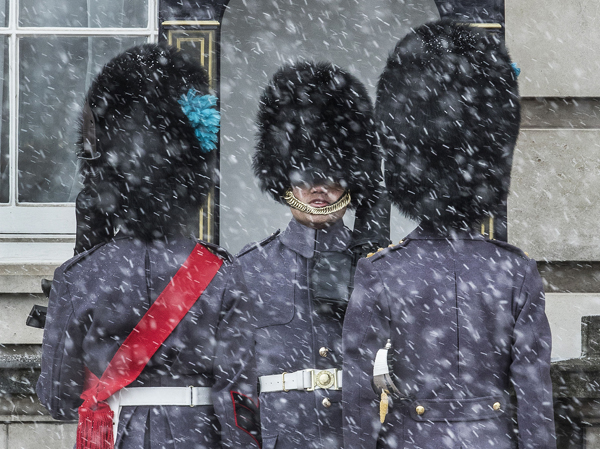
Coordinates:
54 74
4 12
84 13
4 122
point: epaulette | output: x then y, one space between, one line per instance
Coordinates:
218 251
252 246
72 261
382 251
509 247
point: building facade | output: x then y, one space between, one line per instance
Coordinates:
51 51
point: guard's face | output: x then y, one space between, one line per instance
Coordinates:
321 195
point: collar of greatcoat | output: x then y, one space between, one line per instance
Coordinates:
425 232
306 241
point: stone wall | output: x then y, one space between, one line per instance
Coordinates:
555 193
555 198
554 204
24 423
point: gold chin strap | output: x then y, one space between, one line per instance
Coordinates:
303 207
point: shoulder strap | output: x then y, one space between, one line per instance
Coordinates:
252 246
156 325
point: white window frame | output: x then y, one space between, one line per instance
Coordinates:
27 229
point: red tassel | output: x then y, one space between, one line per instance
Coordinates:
95 428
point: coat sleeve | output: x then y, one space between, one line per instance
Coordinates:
235 388
530 365
366 330
62 376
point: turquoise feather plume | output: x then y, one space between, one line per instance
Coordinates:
201 112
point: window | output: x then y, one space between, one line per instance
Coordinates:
50 52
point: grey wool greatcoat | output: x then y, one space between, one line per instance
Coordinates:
99 296
291 336
467 326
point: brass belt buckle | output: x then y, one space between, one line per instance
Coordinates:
326 379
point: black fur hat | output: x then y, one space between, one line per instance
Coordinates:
448 99
316 123
148 168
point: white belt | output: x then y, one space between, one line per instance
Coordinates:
304 380
156 396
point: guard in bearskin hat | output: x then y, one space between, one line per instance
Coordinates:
317 154
442 327
146 329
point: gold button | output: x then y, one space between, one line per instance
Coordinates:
323 351
496 406
326 403
380 249
420 410
370 255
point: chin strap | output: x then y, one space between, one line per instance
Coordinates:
294 202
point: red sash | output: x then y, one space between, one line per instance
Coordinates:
95 429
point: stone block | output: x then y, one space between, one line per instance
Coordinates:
36 250
14 309
564 312
41 435
554 204
570 277
567 113
552 41
592 435
24 278
590 336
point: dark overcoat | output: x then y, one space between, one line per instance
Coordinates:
98 297
290 334
467 325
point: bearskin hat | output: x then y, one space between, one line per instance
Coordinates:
316 123
148 167
448 100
